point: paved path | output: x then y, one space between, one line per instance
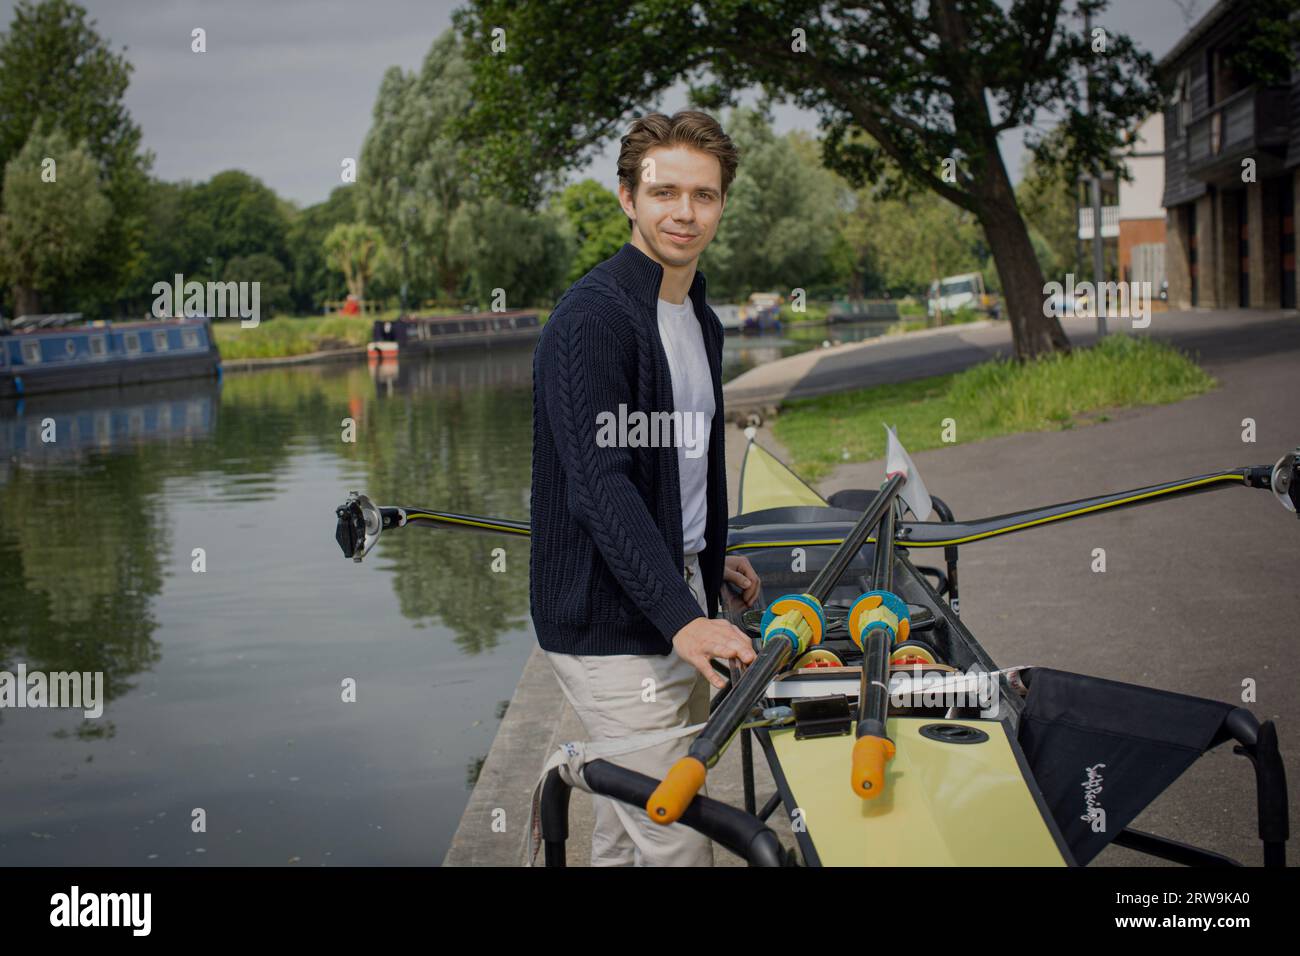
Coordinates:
1199 593
900 358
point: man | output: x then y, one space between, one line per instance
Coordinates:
629 524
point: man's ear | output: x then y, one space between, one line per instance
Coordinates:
627 200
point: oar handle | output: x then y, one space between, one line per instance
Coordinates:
784 636
876 619
675 793
870 754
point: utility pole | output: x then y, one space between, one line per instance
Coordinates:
1098 257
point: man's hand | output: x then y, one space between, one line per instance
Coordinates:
707 638
740 573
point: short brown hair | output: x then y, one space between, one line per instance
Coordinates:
685 128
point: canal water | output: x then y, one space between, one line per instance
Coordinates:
267 702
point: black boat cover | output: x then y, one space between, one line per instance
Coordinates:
1101 751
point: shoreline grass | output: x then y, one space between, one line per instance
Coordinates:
994 398
284 336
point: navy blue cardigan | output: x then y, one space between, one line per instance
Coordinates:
605 568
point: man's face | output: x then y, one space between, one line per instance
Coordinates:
678 204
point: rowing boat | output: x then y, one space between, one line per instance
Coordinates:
891 735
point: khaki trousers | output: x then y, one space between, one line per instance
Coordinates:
625 694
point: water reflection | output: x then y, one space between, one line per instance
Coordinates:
740 353
454 434
81 537
223 687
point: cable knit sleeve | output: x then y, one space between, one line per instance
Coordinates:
584 370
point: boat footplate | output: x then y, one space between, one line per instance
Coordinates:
822 717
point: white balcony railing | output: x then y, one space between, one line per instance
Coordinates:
1109 222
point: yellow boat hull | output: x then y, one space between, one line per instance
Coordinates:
945 804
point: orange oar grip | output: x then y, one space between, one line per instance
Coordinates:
671 798
870 754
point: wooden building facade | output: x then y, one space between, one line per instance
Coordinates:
1232 173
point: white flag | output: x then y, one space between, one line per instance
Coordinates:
898 461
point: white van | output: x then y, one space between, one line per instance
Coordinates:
962 291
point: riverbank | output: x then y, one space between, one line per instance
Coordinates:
291 340
287 337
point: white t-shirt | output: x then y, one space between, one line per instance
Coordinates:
692 379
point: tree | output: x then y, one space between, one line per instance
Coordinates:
779 221
1266 52
312 279
523 253
54 212
915 240
414 173
271 276
355 249
235 214
907 92
56 70
1050 204
198 230
597 222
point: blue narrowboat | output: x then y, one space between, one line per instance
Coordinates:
106 355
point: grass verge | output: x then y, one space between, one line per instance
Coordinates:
285 335
995 398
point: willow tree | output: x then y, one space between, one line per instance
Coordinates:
413 179
912 92
52 215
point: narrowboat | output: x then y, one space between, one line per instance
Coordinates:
110 354
422 334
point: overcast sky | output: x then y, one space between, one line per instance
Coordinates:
286 87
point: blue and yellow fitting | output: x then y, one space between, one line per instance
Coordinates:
879 609
809 608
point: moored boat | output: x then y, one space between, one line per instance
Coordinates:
421 334
108 354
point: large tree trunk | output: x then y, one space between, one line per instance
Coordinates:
1033 332
995 205
27 301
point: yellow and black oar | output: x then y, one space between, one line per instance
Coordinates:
359 522
877 620
791 624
